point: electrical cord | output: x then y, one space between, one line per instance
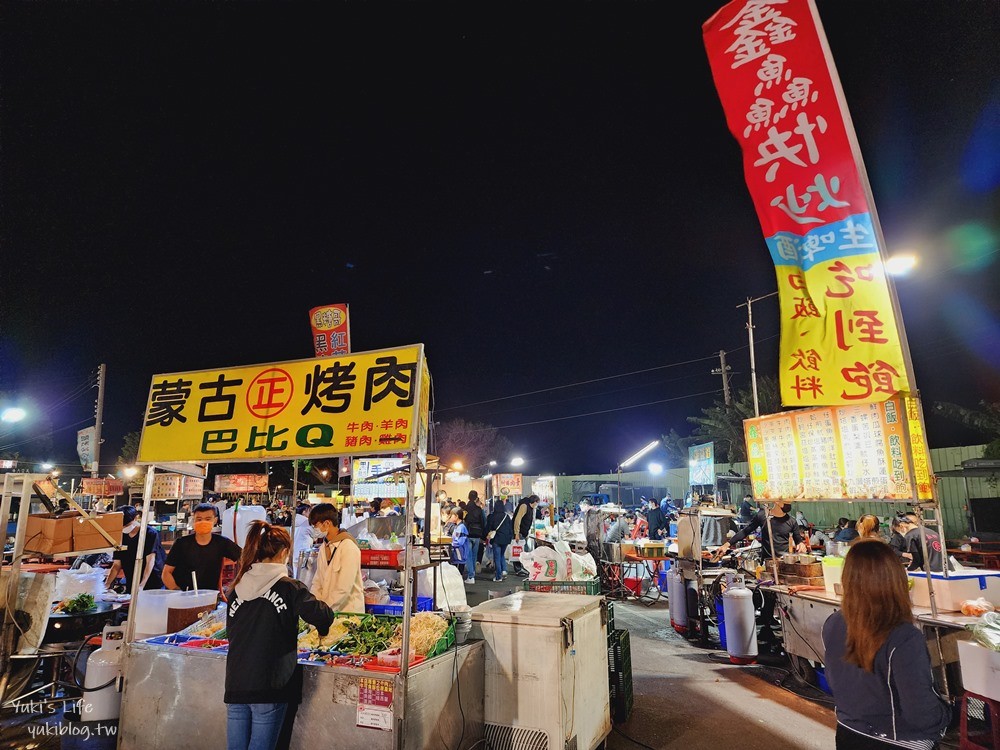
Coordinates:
633 740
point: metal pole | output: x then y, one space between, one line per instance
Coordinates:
133 606
753 360
295 492
99 417
409 551
723 370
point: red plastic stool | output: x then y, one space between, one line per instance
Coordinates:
991 712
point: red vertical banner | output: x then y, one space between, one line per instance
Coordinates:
841 336
331 330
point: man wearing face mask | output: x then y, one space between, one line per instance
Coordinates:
202 553
338 564
124 559
779 526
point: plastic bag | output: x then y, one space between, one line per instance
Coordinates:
545 564
977 607
85 580
987 631
584 567
376 593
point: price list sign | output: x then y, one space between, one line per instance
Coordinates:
375 703
856 452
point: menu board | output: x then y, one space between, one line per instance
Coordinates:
173 486
856 452
391 485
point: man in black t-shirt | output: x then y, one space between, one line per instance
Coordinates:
124 559
201 553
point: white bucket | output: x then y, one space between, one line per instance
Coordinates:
151 611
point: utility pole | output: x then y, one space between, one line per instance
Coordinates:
723 370
99 417
753 361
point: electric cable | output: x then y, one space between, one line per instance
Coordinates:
602 411
633 740
582 382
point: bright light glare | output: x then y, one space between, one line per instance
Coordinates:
517 461
131 471
493 463
13 414
655 468
639 454
457 465
47 465
900 265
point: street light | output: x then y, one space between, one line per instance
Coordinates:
517 461
13 414
131 471
54 472
457 465
900 265
493 463
324 473
47 466
638 454
655 468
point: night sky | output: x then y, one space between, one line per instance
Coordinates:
543 194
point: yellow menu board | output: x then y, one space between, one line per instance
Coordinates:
858 452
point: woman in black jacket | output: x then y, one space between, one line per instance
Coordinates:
262 672
499 533
877 660
475 522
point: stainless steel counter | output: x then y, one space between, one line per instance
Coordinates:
173 699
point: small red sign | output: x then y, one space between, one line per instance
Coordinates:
269 393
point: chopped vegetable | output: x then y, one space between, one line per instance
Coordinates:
77 605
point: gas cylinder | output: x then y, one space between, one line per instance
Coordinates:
677 600
102 666
741 630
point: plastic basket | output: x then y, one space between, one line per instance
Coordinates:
207 644
445 642
592 587
176 639
388 558
395 606
620 675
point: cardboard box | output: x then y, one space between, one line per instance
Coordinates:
85 536
980 669
46 534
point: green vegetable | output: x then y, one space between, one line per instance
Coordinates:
80 603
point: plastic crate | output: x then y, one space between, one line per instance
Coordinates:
446 641
395 606
387 558
592 588
207 644
175 639
620 675
611 618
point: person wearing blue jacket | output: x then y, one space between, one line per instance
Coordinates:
877 662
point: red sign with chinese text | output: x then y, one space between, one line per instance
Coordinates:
840 341
331 330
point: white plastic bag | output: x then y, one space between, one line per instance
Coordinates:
450 586
584 567
545 564
84 580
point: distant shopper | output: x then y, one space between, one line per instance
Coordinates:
746 509
262 674
153 554
461 545
877 661
657 524
846 531
524 518
909 526
199 555
868 528
896 539
475 522
500 533
617 528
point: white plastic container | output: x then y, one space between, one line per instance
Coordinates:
237 529
833 571
950 592
151 611
980 669
205 598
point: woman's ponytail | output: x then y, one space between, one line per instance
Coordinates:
263 542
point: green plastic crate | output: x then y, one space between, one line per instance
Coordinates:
620 675
447 641
593 588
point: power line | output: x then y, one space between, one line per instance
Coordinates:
572 385
603 411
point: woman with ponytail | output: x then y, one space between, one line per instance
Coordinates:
262 672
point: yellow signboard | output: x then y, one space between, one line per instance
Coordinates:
839 339
843 452
354 403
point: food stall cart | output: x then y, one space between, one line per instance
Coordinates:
436 702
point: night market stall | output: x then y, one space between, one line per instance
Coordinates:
371 403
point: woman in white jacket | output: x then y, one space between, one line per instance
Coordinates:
338 564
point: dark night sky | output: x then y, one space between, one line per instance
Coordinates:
542 193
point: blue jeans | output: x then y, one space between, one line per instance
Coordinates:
499 561
470 564
254 726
